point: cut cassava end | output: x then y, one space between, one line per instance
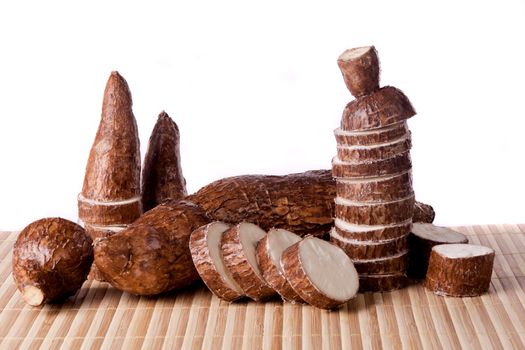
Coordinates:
359 250
371 137
302 203
162 177
371 232
109 213
360 69
459 270
320 272
205 247
382 283
387 265
269 251
423 213
385 188
370 169
382 108
358 153
238 247
422 239
152 255
51 260
364 213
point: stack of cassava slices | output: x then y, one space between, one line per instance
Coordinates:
375 200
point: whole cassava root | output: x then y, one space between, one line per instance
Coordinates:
51 260
152 255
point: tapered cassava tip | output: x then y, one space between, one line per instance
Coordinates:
117 93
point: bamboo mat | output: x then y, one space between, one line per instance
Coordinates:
102 317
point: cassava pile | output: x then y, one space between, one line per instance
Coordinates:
375 201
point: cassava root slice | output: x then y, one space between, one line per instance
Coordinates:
390 166
382 108
371 232
423 213
370 249
371 137
51 260
374 213
320 272
358 153
420 242
387 265
162 177
459 270
382 283
205 247
238 247
360 69
269 251
386 188
302 203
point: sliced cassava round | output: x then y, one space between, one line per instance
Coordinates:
423 213
152 255
364 213
238 247
387 265
371 232
371 137
382 108
162 177
423 237
390 166
205 247
302 203
51 260
385 188
360 69
320 272
358 153
460 270
370 249
101 213
269 251
382 283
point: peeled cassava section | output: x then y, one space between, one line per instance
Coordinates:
320 272
302 203
423 237
152 255
162 177
51 260
205 246
269 251
238 247
459 270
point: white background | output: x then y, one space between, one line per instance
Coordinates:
255 88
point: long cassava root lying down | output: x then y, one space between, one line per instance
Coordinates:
302 203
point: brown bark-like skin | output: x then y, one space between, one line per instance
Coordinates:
376 136
272 275
113 167
373 250
374 190
459 277
152 255
395 165
295 275
162 177
235 259
389 232
423 213
106 215
387 265
384 107
361 73
53 255
352 154
376 213
206 267
301 203
98 232
382 283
